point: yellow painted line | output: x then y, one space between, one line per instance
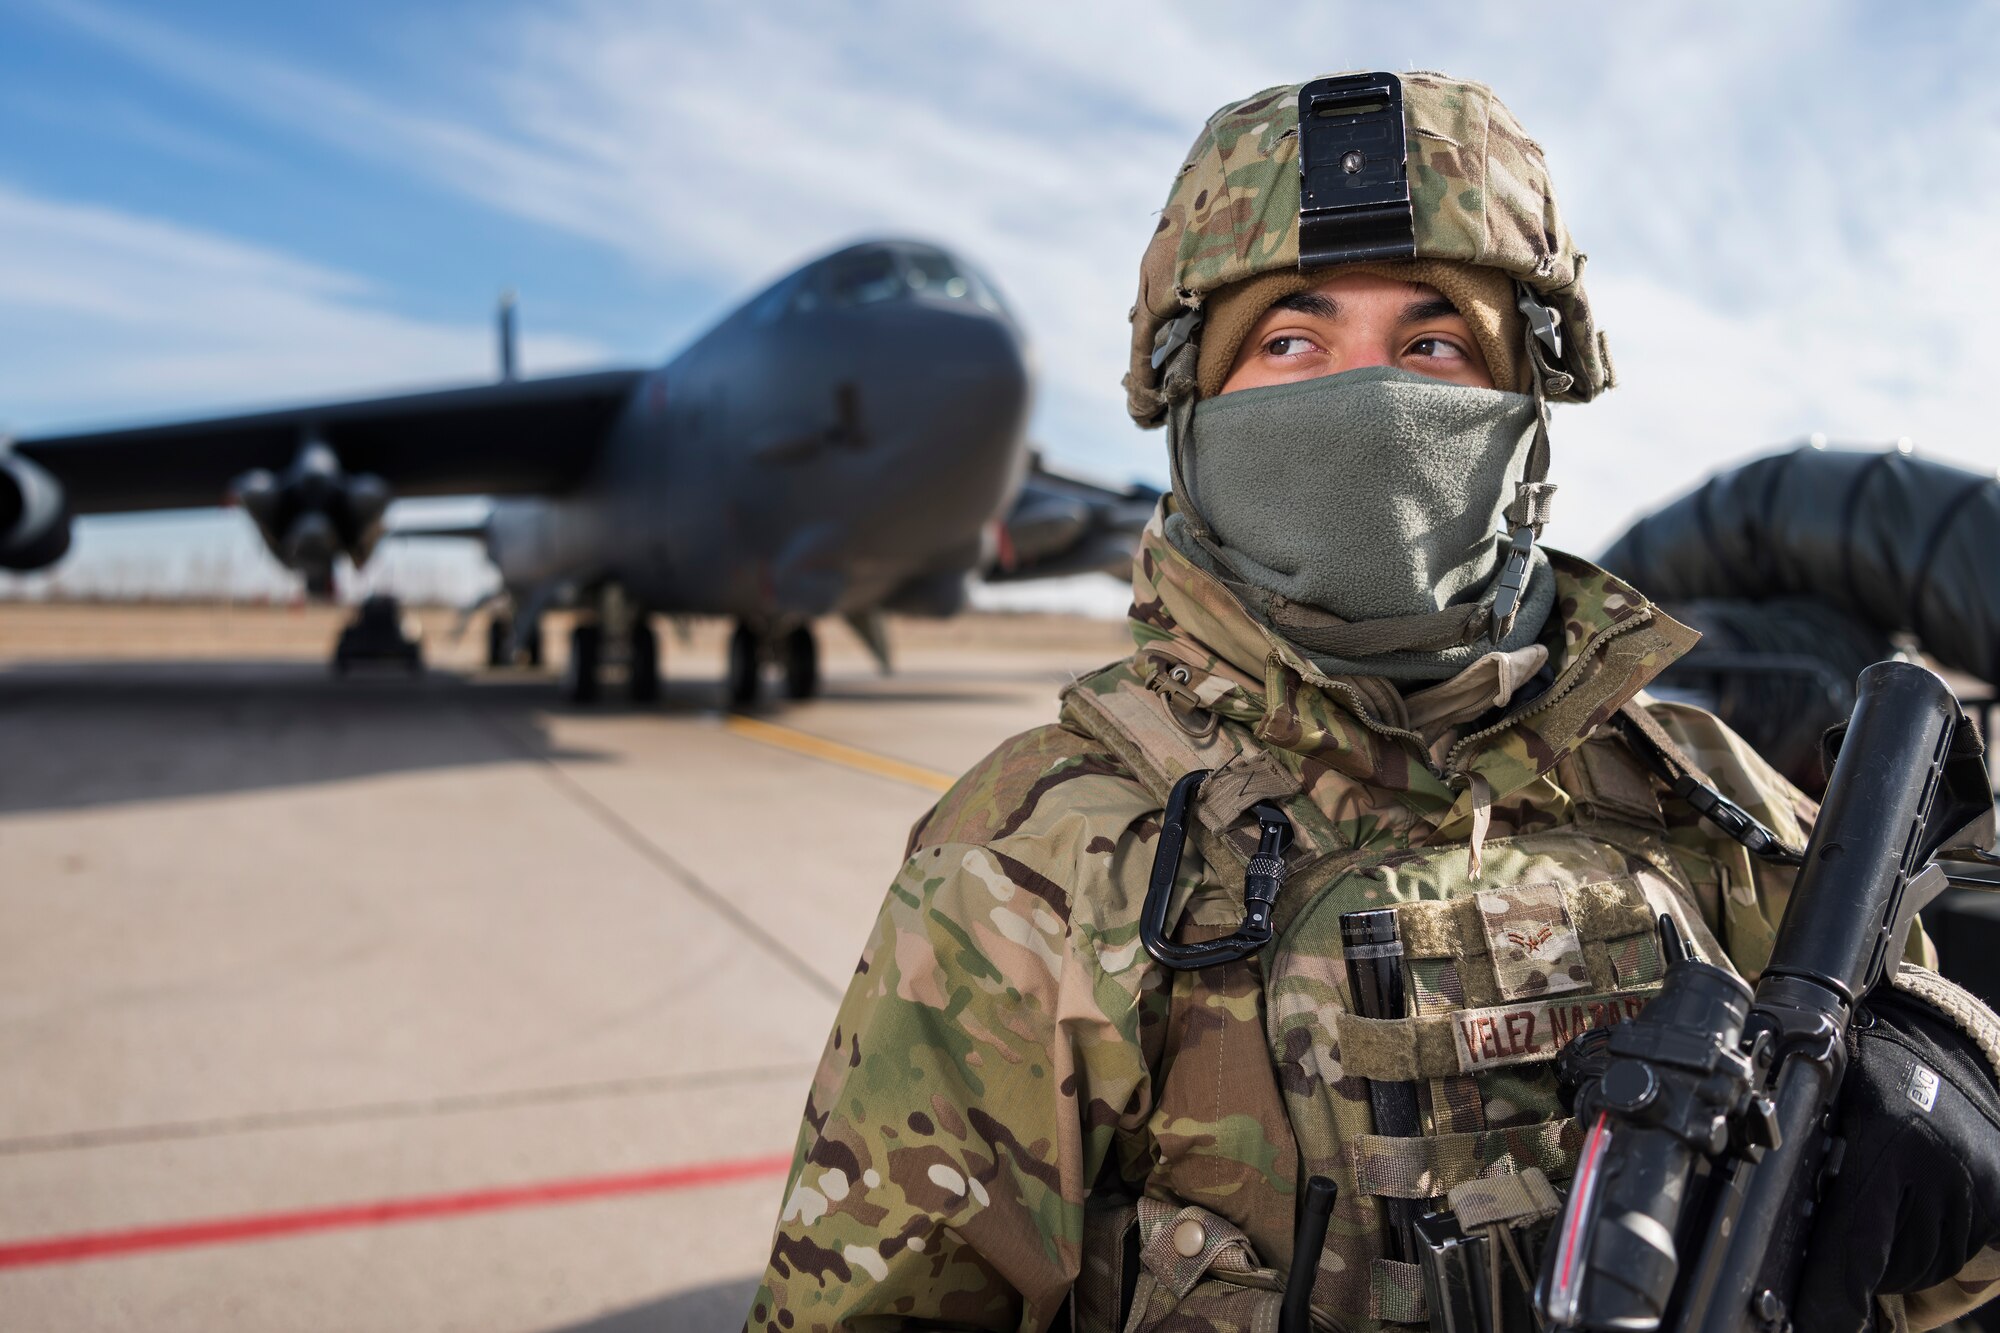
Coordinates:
818 747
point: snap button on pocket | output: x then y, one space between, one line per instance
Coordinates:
1189 1238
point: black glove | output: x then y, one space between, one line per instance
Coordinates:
1918 1193
1580 1064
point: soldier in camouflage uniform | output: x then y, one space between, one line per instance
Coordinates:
1020 1114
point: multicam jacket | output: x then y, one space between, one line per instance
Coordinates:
1018 1108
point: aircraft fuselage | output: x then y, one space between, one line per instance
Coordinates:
837 444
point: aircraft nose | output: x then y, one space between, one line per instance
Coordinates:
925 453
933 410
968 409
960 389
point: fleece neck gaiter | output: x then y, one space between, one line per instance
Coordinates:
1359 515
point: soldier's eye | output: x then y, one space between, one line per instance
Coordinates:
1288 344
1438 348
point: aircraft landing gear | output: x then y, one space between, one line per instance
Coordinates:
801 663
509 642
746 666
797 651
375 636
580 678
643 672
499 642
611 630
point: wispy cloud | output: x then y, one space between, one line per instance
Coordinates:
1787 234
131 314
118 119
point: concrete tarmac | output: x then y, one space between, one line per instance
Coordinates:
433 1003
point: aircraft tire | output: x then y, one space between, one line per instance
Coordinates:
746 667
643 682
498 632
580 677
801 663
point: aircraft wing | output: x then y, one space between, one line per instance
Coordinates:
1063 524
519 436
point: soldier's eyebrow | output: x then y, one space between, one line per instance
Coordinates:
1428 308
1313 304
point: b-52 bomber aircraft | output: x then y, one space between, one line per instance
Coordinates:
849 442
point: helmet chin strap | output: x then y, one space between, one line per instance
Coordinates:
1177 348
1533 495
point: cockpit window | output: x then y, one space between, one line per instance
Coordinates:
986 294
864 278
895 272
933 275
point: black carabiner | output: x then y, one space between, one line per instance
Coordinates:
1262 879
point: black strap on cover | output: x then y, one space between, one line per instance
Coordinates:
1685 780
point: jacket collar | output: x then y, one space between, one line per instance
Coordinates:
1605 641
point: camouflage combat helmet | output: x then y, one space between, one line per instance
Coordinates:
1479 190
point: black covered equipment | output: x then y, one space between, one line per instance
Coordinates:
1904 544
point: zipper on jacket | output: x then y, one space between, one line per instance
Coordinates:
1358 705
1569 680
1448 772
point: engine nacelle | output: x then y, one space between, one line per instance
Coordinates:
313 512
34 516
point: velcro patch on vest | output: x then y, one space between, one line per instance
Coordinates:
1511 1034
1532 940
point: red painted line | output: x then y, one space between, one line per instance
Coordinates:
263 1226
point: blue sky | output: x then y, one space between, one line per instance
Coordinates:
1788 206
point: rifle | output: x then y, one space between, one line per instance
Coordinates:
1708 1132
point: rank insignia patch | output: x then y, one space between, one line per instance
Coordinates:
1533 941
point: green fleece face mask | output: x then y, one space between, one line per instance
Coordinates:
1364 511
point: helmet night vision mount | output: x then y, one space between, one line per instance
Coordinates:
1354 172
